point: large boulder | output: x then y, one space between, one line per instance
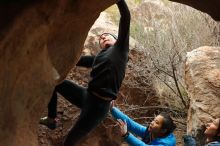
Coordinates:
202 75
40 41
207 6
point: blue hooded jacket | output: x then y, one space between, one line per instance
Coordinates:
141 131
190 141
214 143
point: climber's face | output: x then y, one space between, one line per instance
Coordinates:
106 40
212 128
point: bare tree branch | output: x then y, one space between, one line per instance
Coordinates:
177 86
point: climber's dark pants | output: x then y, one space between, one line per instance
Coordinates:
93 109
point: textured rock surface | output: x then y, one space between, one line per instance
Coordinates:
40 41
203 85
207 6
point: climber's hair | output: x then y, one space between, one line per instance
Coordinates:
168 125
106 33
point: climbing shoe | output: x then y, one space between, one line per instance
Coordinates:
49 122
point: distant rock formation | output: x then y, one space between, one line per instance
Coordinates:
203 86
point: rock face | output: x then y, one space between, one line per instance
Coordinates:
207 6
203 85
40 41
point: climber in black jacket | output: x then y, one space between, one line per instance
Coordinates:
108 71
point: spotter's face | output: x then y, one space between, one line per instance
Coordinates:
156 125
211 128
